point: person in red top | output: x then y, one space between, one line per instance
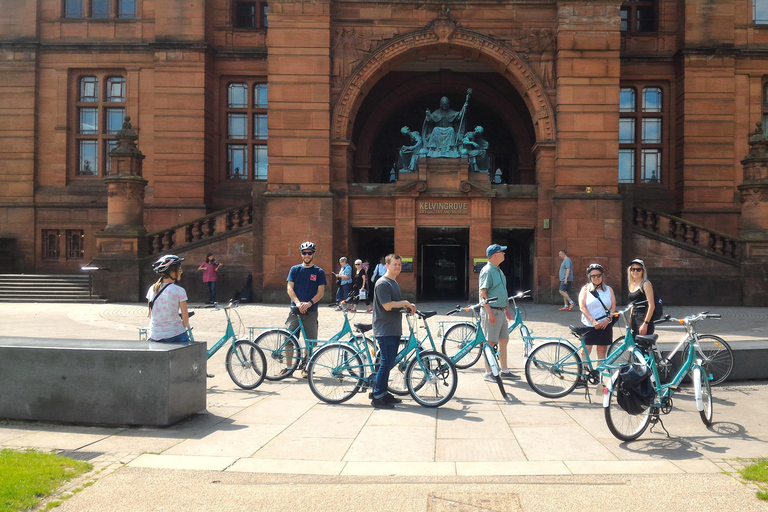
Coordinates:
210 268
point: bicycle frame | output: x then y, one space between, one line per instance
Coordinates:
229 333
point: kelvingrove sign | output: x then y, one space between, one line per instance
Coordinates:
444 207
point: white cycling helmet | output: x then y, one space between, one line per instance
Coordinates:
166 262
308 246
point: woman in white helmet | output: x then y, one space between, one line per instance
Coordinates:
166 299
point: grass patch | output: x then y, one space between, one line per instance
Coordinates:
758 472
29 476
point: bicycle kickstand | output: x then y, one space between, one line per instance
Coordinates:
657 419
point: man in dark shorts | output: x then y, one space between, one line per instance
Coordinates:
566 280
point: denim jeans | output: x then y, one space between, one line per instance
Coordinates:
388 348
343 292
211 291
182 338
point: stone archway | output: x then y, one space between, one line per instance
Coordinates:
444 34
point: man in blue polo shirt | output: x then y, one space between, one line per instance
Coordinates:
495 315
306 286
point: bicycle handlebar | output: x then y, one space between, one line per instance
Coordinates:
520 295
472 307
690 319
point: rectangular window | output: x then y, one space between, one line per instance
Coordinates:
638 16
126 8
627 131
89 88
75 244
246 129
114 120
641 135
116 89
73 8
237 126
760 12
88 161
99 8
260 126
89 121
260 162
626 166
245 14
651 162
237 162
50 244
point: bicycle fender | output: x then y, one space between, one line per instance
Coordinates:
609 390
697 371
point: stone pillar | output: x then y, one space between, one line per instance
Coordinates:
754 221
120 245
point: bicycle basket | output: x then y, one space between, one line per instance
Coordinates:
634 390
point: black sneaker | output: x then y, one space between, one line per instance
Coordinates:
380 403
391 399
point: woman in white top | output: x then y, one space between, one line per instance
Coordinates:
597 303
169 318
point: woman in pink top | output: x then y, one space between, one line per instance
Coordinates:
210 268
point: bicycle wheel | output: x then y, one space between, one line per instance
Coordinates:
706 397
493 364
553 369
456 338
616 345
716 357
282 351
245 364
335 373
431 378
624 426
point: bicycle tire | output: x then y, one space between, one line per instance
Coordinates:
493 363
335 373
708 412
716 357
246 364
431 378
282 351
544 373
623 358
456 338
623 426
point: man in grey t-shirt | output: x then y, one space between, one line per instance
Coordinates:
566 279
387 328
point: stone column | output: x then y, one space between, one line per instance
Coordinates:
120 245
754 221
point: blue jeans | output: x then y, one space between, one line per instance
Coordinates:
388 349
343 292
182 338
211 291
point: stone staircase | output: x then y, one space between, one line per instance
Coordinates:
47 288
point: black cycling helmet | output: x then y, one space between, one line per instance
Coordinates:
308 246
595 266
162 265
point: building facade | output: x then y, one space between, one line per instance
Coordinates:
614 129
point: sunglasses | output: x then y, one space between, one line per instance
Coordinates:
358 264
636 269
307 253
595 276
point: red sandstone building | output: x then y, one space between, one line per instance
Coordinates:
616 129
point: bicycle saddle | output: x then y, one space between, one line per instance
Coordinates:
426 314
646 340
580 330
363 327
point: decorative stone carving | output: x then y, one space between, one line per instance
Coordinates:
348 48
443 26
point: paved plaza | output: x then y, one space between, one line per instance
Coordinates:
278 442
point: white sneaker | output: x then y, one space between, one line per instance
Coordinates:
488 377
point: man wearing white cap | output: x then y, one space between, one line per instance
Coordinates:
495 315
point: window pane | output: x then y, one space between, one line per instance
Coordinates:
245 14
237 96
50 241
260 162
75 244
89 121
651 131
627 131
73 8
260 126
99 8
760 11
237 162
115 118
645 21
624 20
626 166
260 95
651 166
237 126
89 88
88 160
264 13
651 99
109 145
126 8
627 100
116 89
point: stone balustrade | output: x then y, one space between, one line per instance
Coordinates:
199 229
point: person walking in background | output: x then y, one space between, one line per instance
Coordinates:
379 270
345 280
210 268
640 289
388 328
360 285
495 315
306 286
597 303
168 314
566 279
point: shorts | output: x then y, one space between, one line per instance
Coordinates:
309 319
500 331
565 287
599 336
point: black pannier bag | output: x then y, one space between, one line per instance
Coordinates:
634 390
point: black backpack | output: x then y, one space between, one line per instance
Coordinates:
658 312
634 390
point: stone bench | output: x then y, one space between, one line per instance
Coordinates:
101 382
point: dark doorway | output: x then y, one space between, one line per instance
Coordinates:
518 260
371 244
443 263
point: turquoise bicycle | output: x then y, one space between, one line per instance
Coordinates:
626 426
245 361
285 353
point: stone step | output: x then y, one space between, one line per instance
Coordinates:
57 288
